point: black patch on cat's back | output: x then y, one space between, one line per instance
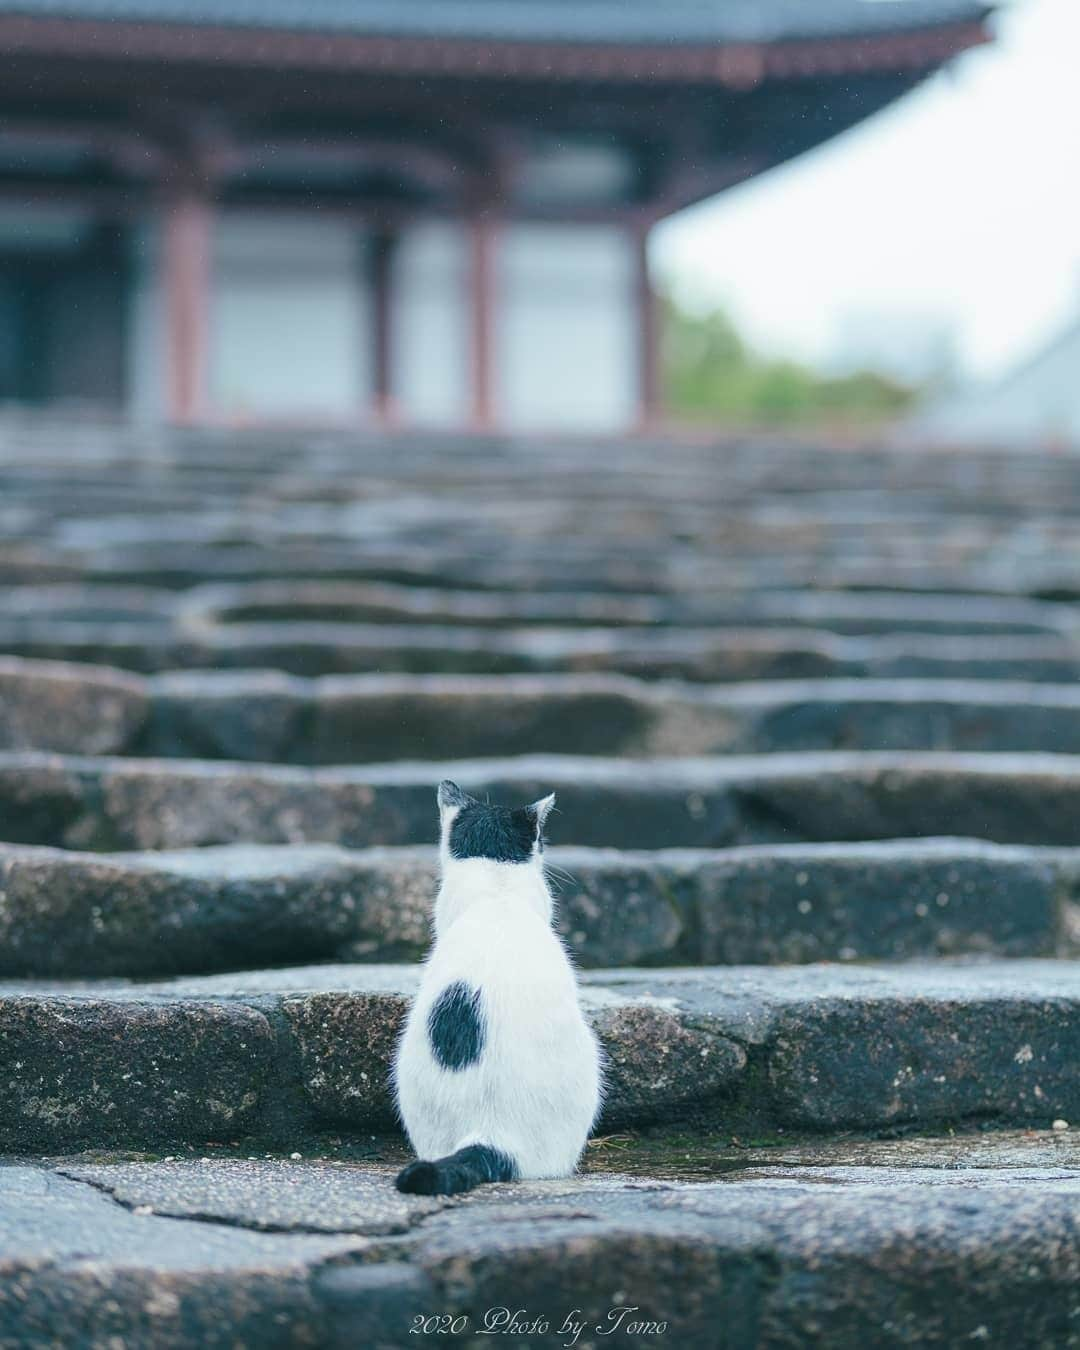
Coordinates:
454 1026
494 832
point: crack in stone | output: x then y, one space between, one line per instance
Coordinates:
411 1219
380 1246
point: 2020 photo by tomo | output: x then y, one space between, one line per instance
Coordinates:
520 1322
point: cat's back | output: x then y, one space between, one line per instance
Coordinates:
501 945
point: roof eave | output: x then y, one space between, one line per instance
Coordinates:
734 64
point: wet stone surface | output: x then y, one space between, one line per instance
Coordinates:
274 717
147 914
90 1070
152 914
286 1053
328 1251
765 679
108 804
59 707
693 654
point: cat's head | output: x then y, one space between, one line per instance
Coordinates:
474 829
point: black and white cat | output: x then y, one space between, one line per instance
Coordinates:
497 1075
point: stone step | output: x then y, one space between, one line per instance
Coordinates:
853 612
277 718
391 503
281 1055
151 914
116 805
952 522
702 559
699 654
933 1252
619 542
382 511
431 556
992 485
42 443
346 720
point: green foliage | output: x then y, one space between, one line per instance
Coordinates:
711 374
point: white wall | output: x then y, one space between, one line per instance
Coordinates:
291 324
430 355
290 318
566 330
146 324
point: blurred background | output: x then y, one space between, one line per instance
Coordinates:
927 259
533 216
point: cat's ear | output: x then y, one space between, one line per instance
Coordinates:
541 809
450 796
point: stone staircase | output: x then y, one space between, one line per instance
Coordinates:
813 723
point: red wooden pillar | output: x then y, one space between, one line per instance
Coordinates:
649 393
186 268
483 242
383 248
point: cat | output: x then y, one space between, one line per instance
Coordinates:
497 1076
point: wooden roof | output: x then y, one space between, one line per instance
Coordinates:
727 42
700 94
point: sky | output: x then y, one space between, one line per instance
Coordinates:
947 226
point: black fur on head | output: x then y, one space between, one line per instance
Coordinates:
501 833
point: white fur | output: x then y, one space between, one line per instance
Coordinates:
536 1089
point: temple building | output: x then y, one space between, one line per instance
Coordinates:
411 212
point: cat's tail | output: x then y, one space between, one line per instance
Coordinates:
461 1171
